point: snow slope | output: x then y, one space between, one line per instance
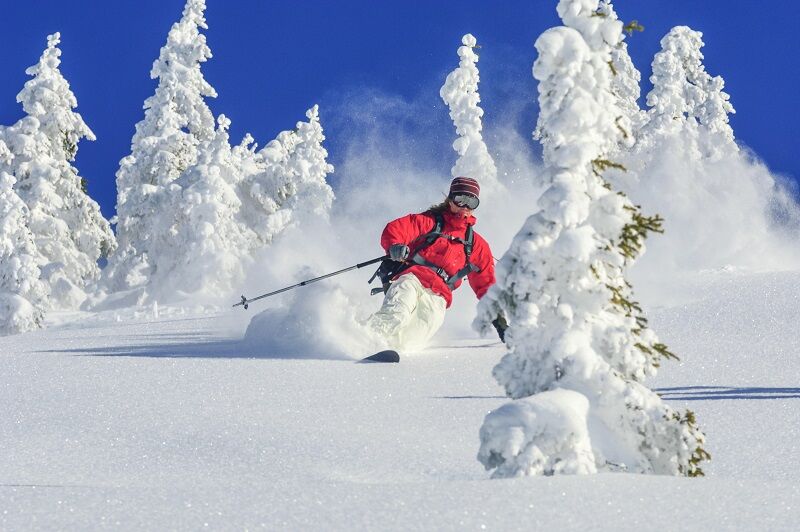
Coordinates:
171 423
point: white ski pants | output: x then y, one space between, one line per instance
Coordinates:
410 315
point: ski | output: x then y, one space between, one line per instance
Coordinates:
383 356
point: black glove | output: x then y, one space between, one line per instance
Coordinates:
500 325
399 252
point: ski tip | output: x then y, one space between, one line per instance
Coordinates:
383 356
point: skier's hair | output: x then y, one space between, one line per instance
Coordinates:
443 206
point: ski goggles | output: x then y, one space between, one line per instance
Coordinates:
465 201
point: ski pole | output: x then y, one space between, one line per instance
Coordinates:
246 302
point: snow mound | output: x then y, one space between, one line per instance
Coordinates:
539 435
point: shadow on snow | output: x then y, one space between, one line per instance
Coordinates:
187 345
715 393
692 393
471 397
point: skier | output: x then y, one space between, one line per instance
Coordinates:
431 252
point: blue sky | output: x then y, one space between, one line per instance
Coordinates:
273 60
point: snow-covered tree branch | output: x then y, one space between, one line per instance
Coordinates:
22 293
288 180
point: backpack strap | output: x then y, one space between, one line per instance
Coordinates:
469 267
428 239
431 236
467 242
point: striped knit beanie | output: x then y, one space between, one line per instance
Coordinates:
464 185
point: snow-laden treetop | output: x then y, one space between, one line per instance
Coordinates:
48 98
460 93
577 120
185 43
591 18
178 68
682 89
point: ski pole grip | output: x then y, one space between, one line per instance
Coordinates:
373 261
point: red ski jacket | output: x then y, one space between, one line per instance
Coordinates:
442 252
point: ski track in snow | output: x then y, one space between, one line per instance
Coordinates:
169 424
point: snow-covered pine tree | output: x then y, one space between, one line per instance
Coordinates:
286 177
210 249
22 293
685 100
176 121
69 231
578 342
460 93
309 191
